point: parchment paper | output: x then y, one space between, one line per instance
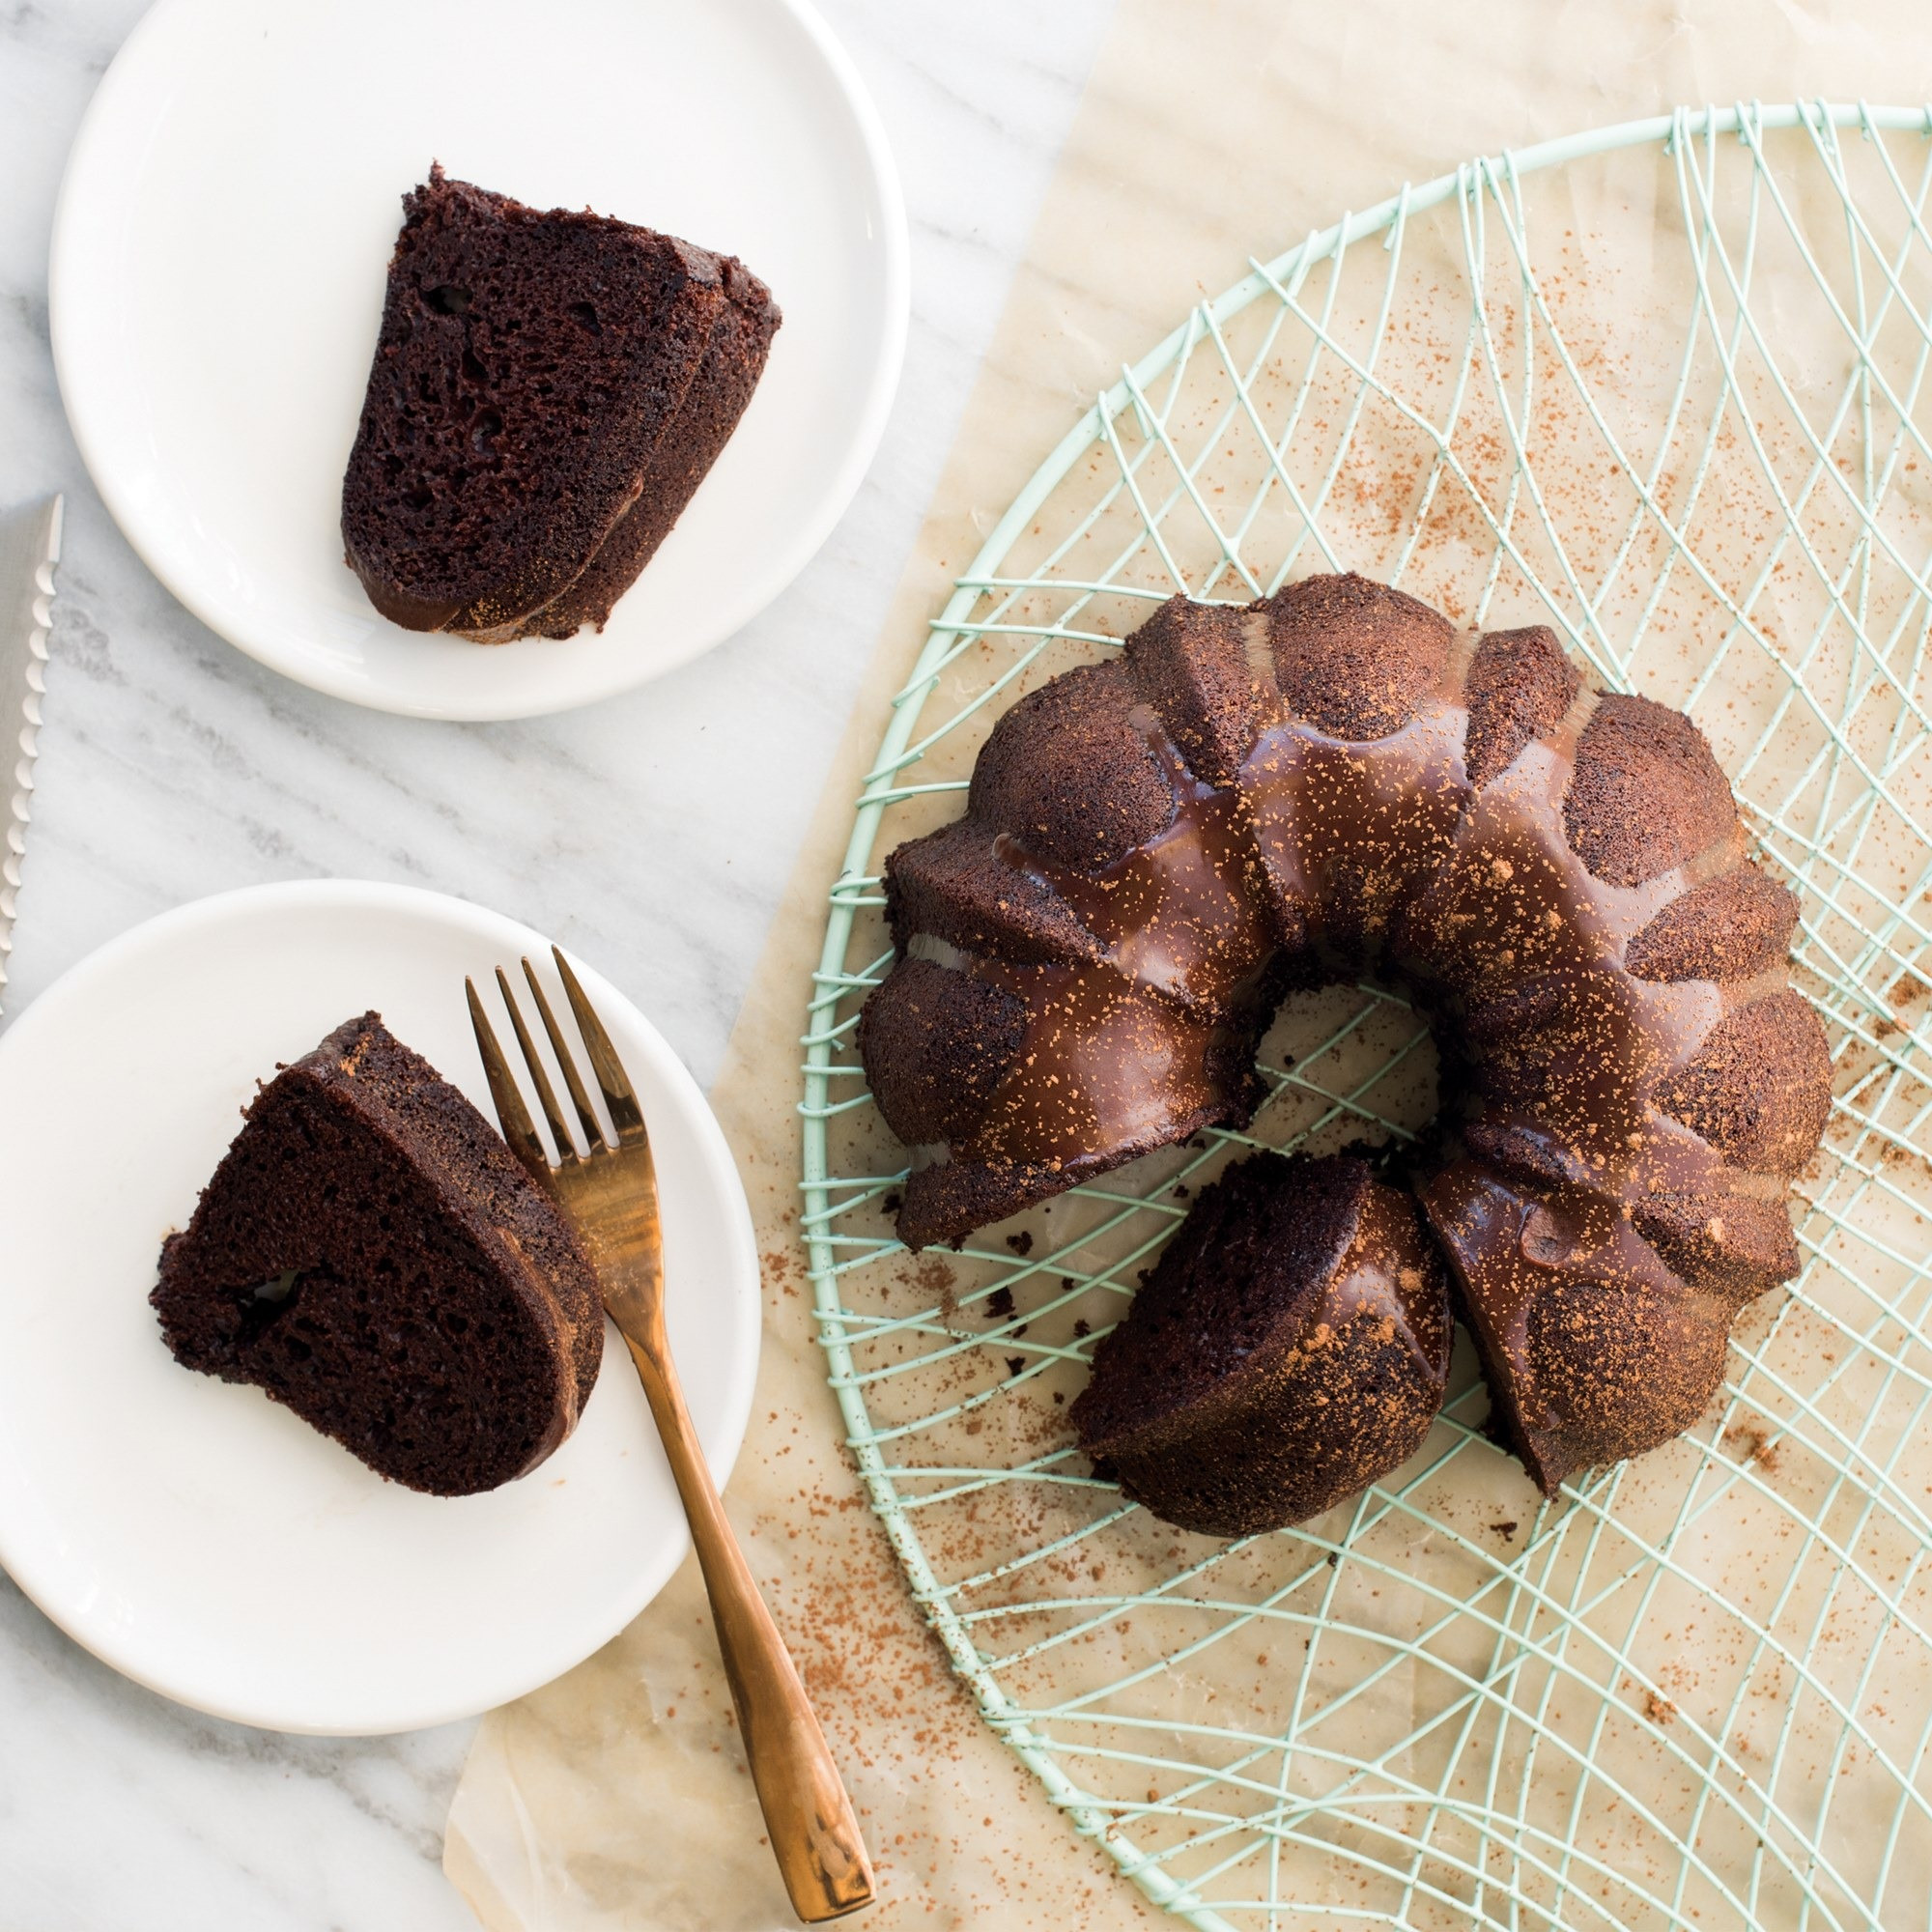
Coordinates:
616 1796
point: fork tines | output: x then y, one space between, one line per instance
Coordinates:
627 1118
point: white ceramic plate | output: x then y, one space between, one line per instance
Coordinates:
194 1534
219 253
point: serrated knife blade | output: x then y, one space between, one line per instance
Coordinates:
30 541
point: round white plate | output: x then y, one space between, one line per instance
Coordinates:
219 255
196 1535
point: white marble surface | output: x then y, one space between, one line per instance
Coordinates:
172 767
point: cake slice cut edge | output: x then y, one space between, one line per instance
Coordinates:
548 391
717 397
371 1255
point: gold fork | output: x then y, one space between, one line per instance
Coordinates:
610 1195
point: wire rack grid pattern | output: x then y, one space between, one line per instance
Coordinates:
1692 1692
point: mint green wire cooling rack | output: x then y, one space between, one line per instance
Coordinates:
1655 387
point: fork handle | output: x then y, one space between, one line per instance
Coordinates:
808 1815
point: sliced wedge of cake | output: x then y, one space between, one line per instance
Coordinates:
370 1253
548 391
1291 1345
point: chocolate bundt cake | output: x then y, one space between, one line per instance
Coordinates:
1291 1345
370 1253
1336 782
549 390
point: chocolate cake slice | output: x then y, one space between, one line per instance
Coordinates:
548 390
370 1253
1291 1345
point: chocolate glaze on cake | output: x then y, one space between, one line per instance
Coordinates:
370 1253
1334 783
548 390
1291 1345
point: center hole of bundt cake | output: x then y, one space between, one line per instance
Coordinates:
1348 1065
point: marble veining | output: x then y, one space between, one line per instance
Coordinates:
171 767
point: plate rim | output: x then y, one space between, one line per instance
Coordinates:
833 500
745 1281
